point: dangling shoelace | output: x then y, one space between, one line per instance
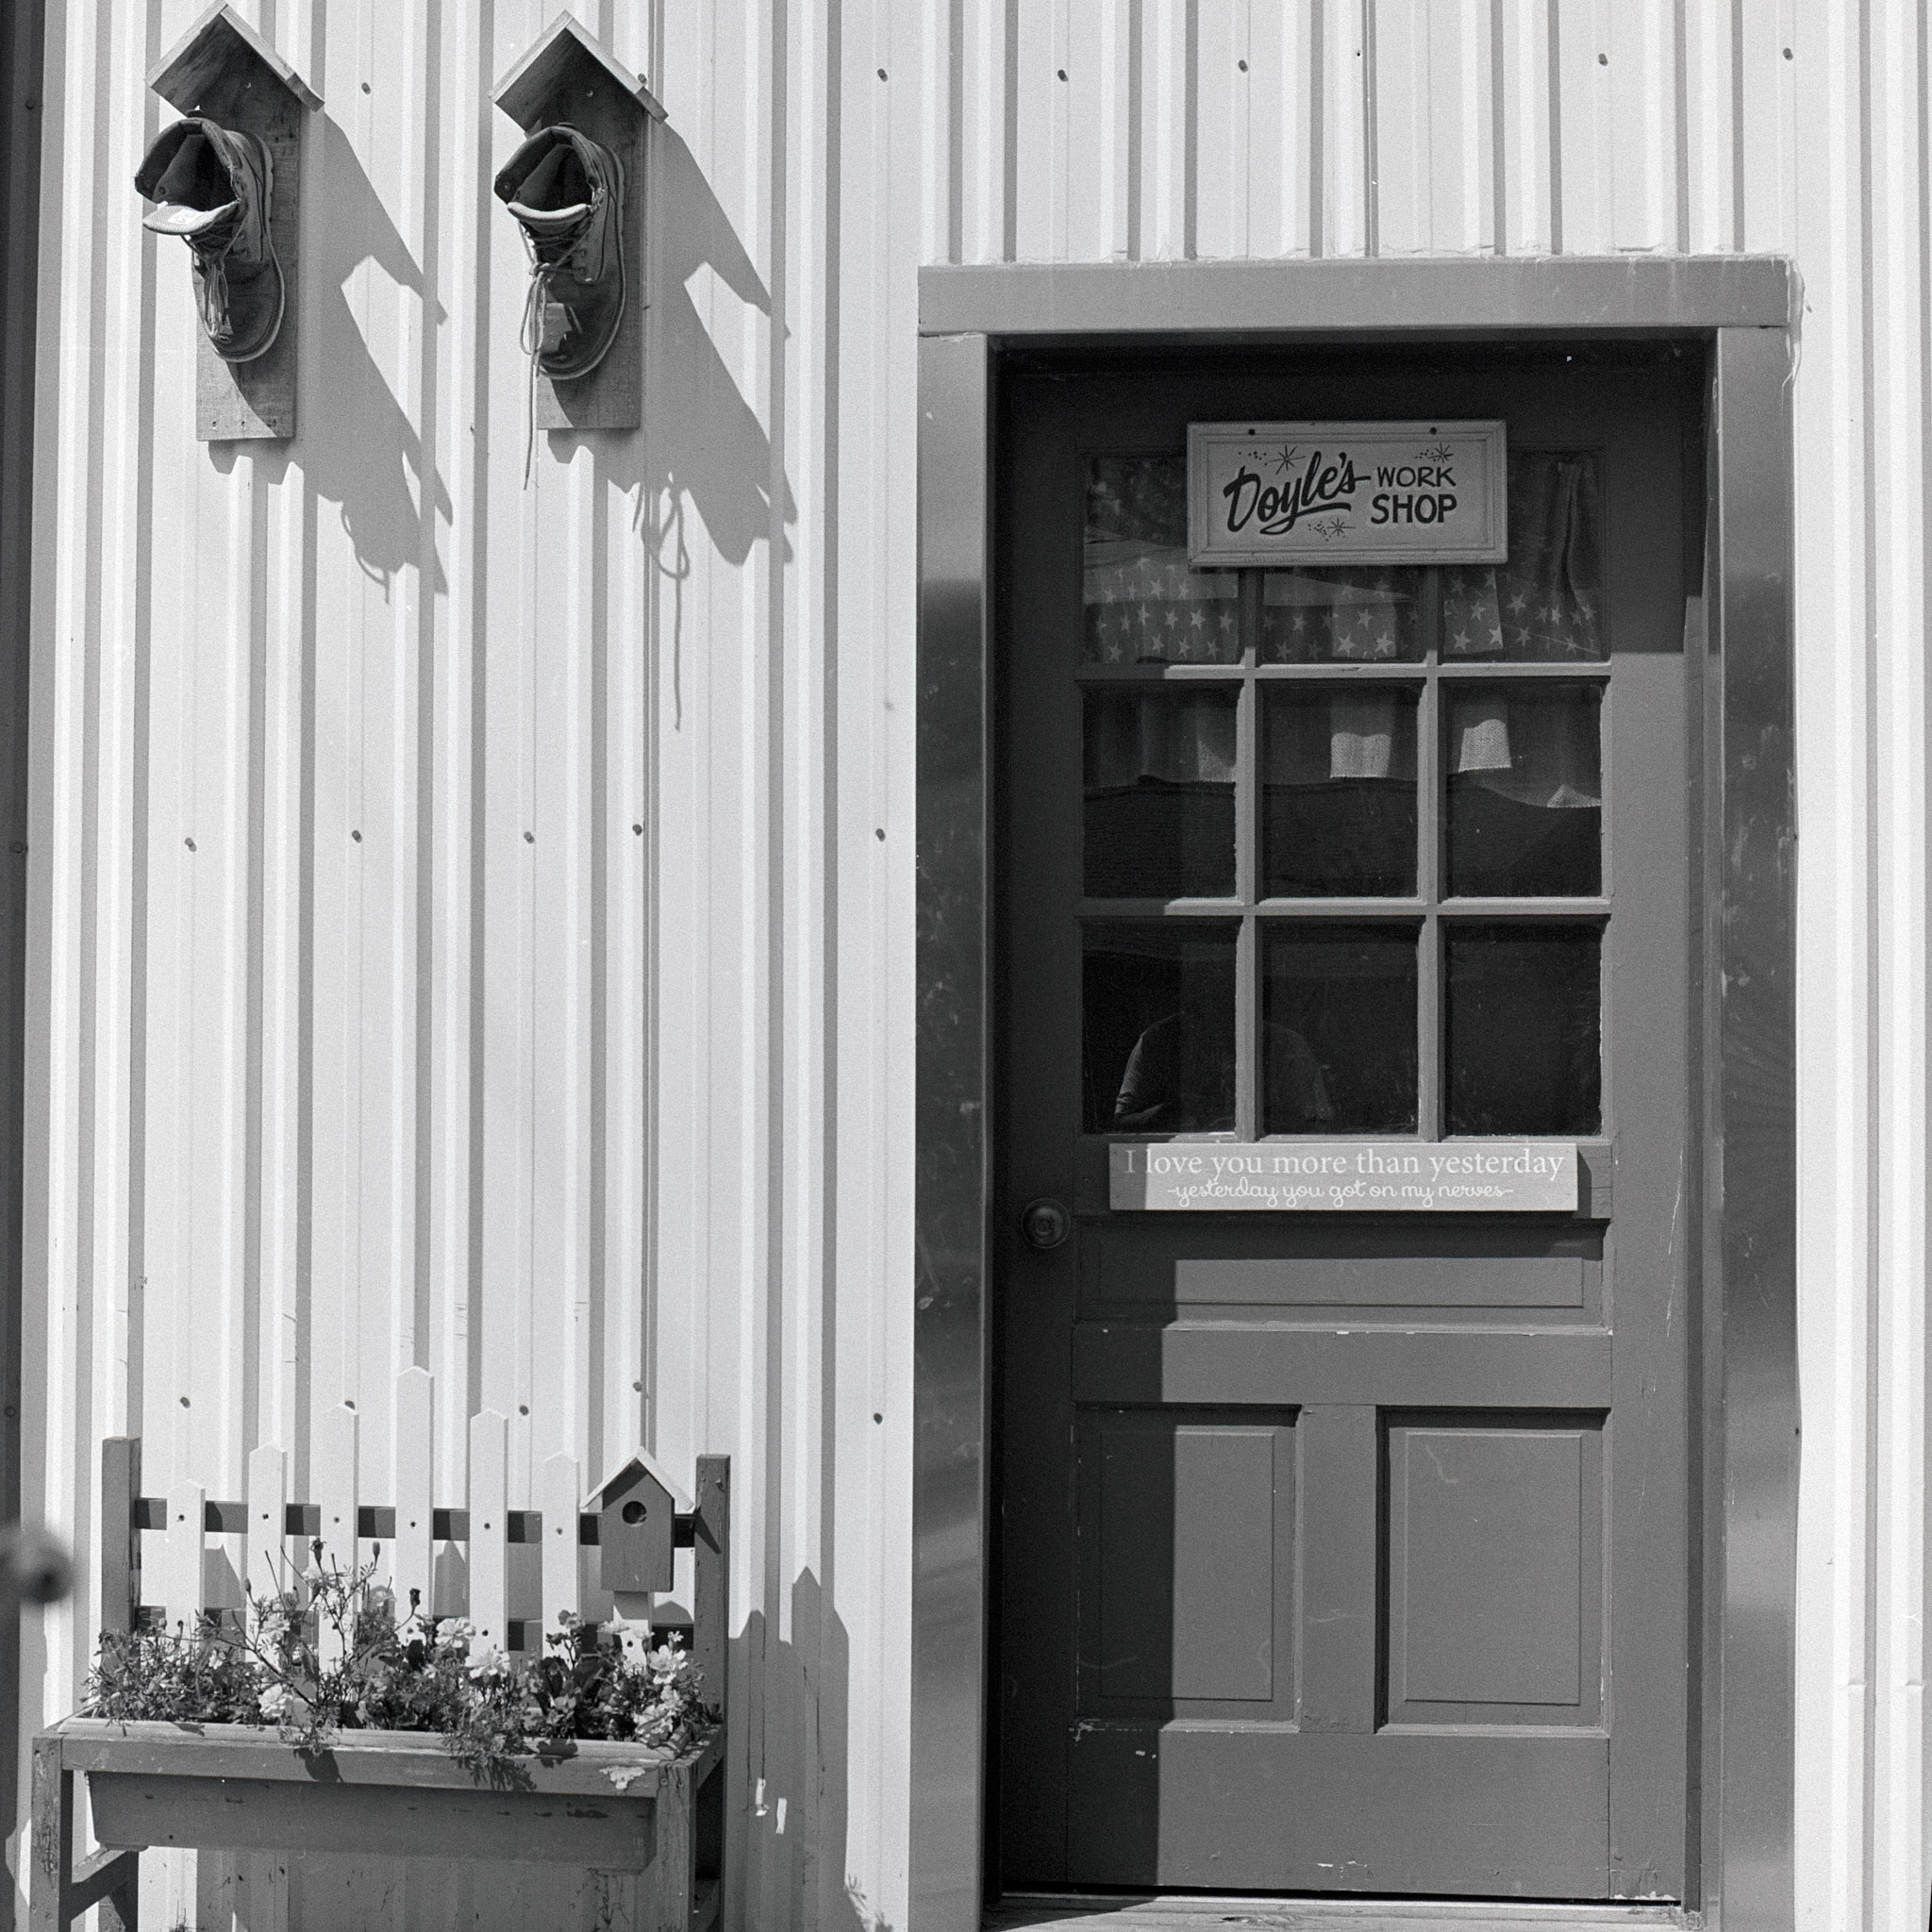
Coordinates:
535 302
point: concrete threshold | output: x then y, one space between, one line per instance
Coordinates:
1177 1913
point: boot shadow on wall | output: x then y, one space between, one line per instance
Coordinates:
357 447
702 443
792 1838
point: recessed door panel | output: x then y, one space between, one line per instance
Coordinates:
1187 1528
1494 1571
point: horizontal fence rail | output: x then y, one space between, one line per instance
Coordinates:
169 1584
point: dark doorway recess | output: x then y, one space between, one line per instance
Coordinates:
1348 1553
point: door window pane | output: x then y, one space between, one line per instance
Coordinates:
1339 1029
1342 616
1525 1026
1339 792
1545 603
1158 1049
1143 605
1525 791
1159 775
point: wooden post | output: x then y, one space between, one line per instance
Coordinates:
57 1893
120 1539
666 1884
710 1610
53 1837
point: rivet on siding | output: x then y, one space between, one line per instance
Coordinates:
1788 53
1062 71
356 836
1602 60
190 843
365 87
523 1409
879 833
876 1416
638 830
638 1387
1242 65
882 74
186 1404
530 838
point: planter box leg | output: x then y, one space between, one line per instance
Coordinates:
58 1894
666 1886
53 1838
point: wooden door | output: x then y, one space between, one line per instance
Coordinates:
1344 1551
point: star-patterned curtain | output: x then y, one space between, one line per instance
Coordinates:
1143 605
1543 604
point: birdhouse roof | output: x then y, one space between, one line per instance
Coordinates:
642 1459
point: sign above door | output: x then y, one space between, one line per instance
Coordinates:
1346 493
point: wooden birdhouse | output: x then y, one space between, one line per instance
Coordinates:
637 1507
222 69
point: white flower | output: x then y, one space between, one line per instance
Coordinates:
275 1701
486 1660
453 1633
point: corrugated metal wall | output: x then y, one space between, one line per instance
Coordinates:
368 1028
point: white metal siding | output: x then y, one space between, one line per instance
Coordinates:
610 1129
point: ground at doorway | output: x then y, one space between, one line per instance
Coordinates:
1067 1912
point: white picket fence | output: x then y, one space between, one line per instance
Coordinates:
173 1567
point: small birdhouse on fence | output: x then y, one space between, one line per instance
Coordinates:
637 1507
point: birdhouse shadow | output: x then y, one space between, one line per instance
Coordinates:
703 447
357 446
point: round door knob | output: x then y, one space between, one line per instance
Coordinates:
1045 1224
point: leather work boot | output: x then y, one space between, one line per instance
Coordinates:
211 184
567 193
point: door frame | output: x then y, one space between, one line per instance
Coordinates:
1743 1143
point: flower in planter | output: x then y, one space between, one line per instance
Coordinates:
375 1672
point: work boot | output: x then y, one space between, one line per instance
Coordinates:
211 184
567 193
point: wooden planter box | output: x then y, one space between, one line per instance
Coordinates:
383 1794
390 1794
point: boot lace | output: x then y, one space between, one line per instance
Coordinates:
548 261
211 252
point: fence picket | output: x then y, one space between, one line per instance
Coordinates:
415 1547
562 1488
266 1546
490 1527
182 1568
337 1433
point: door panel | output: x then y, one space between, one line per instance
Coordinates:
1187 1582
1494 1608
1345 1553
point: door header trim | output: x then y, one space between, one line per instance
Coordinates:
1294 300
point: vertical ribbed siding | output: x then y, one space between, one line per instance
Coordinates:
608 1127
